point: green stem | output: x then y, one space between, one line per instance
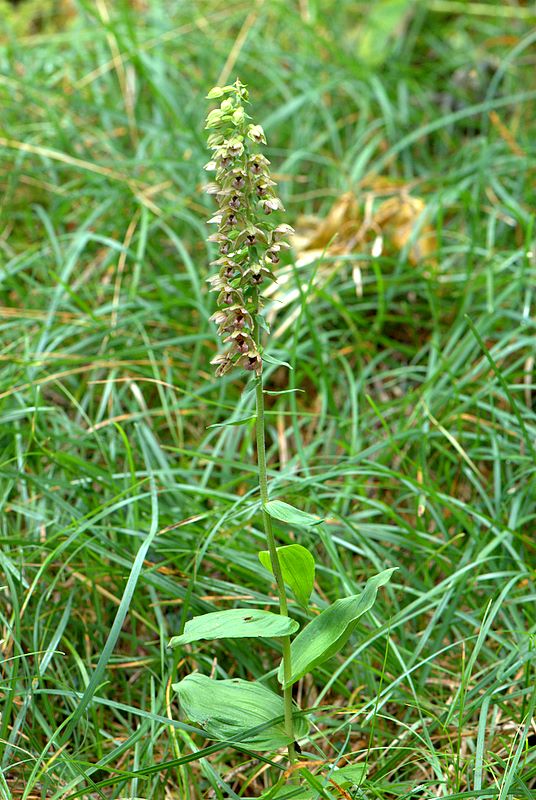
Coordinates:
274 560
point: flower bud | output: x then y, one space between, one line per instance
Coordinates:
214 119
238 116
219 91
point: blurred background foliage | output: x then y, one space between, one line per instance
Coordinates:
402 138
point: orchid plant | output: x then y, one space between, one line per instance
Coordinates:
244 713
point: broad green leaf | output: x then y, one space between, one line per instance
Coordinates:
298 568
326 634
287 513
231 710
235 623
351 775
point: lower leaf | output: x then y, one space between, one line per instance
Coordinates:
237 711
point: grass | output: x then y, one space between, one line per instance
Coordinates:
123 512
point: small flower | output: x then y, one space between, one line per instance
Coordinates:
239 179
228 296
256 134
217 218
257 274
224 363
272 254
217 283
219 317
258 164
241 342
236 318
221 240
271 204
229 220
250 236
251 362
234 147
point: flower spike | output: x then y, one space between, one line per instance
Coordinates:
249 244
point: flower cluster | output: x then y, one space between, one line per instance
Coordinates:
249 244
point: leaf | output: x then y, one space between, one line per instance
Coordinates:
261 322
275 361
235 623
298 568
287 513
351 775
230 710
283 391
326 634
241 421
